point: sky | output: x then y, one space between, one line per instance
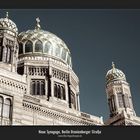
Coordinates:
95 37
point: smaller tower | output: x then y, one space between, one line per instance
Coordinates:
8 44
118 93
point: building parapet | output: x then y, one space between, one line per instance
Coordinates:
36 104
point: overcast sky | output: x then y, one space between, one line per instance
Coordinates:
95 39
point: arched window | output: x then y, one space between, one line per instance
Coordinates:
47 48
37 87
126 99
55 90
73 100
38 46
63 54
57 51
109 104
20 70
1 104
28 46
7 108
42 88
1 40
59 91
1 52
63 96
68 58
33 87
4 54
20 48
120 99
8 57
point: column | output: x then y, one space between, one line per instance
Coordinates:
4 54
116 102
78 102
66 93
50 82
12 58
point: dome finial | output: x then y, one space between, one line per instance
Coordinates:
113 65
7 15
37 24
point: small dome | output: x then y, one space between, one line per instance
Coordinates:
40 42
9 25
114 74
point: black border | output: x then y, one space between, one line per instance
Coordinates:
32 132
69 4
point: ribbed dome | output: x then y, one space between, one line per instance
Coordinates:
40 42
8 25
115 74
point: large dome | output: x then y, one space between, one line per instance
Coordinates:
40 42
8 25
114 74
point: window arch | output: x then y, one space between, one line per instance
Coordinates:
28 46
73 100
1 52
57 51
126 99
47 48
8 56
110 105
42 88
33 87
38 46
64 54
68 58
1 40
59 91
20 48
1 105
55 90
37 87
7 108
121 99
63 96
111 102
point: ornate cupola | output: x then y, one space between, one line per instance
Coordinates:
118 92
39 42
8 44
46 61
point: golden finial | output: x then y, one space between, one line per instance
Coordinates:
38 24
7 15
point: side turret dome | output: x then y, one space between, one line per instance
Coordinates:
8 25
114 74
39 42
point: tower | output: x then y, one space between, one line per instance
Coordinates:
118 93
8 44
